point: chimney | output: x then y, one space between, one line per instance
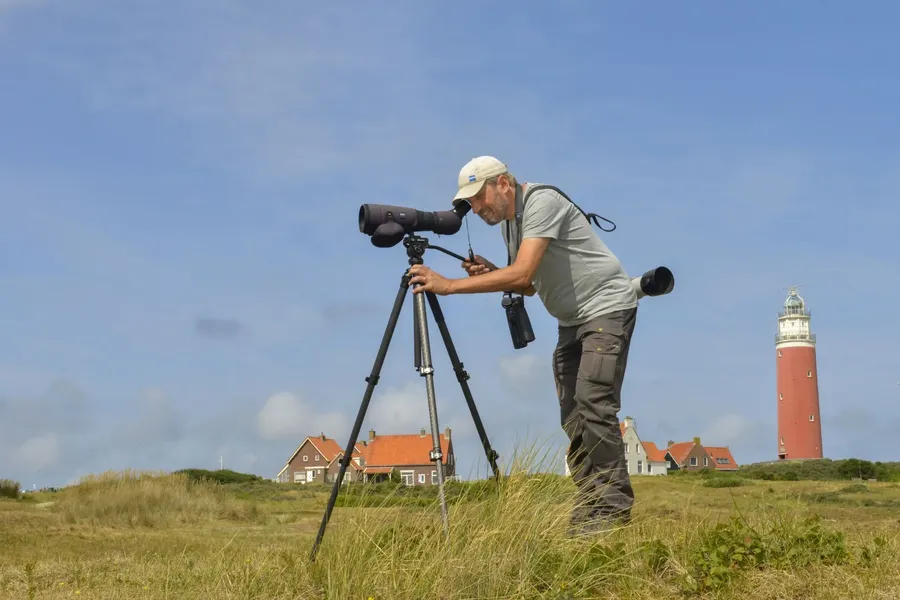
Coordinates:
371 434
670 443
422 432
447 433
629 422
323 436
697 441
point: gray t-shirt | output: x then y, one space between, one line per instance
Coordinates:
578 278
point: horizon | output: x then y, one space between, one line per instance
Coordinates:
184 278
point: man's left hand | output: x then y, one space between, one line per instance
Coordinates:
430 281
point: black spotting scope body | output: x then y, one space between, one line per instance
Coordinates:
388 224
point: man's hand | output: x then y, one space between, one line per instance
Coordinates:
479 267
430 280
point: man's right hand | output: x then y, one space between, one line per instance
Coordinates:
479 267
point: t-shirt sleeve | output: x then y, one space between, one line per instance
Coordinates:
544 216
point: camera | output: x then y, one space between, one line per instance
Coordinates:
517 318
388 224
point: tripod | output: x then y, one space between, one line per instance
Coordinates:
415 250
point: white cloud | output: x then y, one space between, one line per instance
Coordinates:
38 453
287 416
402 409
527 374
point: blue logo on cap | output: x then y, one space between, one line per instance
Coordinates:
471 178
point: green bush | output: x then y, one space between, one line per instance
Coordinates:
10 489
724 482
822 470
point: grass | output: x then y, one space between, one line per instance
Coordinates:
153 535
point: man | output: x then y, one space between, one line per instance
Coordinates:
555 253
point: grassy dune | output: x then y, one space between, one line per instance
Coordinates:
136 535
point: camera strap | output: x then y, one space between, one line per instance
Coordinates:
591 217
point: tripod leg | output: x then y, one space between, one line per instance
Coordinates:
372 380
463 378
417 342
427 371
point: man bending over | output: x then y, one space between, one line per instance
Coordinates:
554 252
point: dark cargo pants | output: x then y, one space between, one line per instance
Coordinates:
589 366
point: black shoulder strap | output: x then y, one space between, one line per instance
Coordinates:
591 217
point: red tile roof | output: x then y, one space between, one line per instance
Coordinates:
680 451
654 454
402 450
721 452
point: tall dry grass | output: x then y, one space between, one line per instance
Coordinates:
511 542
766 541
150 499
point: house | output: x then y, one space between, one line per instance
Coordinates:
642 458
656 460
693 456
722 458
314 459
409 455
318 459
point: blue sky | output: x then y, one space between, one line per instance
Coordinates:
206 160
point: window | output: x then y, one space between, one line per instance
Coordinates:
779 354
317 458
705 461
809 374
626 448
407 477
812 418
421 477
299 476
722 461
649 468
640 466
668 464
781 396
305 458
311 474
693 461
434 478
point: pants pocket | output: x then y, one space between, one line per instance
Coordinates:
599 368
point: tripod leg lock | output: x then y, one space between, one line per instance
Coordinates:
461 374
426 371
436 455
374 379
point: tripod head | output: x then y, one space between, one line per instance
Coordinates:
416 246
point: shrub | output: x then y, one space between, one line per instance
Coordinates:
10 489
724 482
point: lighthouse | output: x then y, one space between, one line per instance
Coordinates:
799 426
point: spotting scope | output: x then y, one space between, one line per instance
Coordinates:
388 224
655 282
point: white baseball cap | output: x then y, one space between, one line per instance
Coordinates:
473 175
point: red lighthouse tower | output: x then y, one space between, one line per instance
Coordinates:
799 427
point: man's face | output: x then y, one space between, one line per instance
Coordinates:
491 202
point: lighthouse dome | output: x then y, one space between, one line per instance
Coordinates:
794 305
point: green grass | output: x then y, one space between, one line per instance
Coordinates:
191 535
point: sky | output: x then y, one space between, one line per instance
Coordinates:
183 279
